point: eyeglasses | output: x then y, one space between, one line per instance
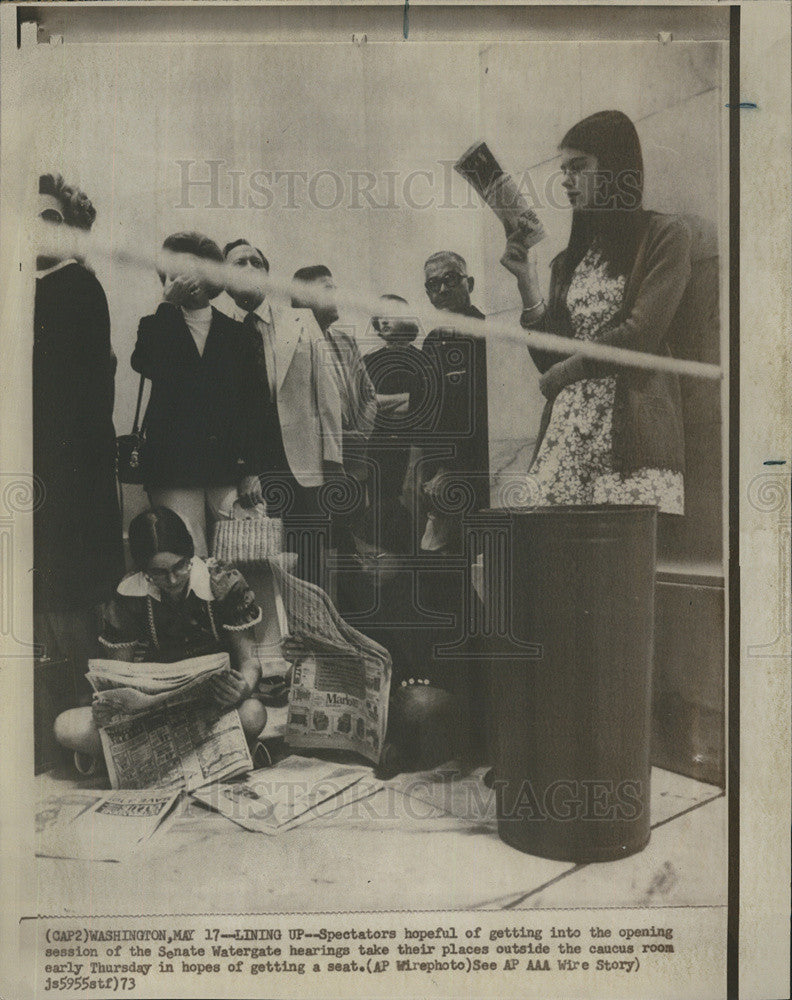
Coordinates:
179 569
51 215
451 279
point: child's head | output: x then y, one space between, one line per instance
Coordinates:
162 547
392 325
200 289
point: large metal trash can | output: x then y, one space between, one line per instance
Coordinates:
572 728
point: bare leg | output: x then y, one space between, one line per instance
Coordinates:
76 730
253 716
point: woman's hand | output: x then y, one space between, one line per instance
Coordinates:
558 377
181 289
249 491
397 402
119 701
517 257
229 689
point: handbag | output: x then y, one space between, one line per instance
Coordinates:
248 535
129 447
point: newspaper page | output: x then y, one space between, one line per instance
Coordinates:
340 690
593 795
178 678
178 745
338 702
98 825
276 799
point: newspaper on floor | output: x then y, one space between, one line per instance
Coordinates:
178 746
340 679
275 799
99 825
166 730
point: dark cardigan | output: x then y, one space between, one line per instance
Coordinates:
647 409
201 419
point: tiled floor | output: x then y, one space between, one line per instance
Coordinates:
414 845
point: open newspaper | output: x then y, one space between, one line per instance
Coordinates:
298 789
168 732
340 679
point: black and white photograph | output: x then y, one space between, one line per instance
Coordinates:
373 575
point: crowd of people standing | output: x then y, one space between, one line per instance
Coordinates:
275 403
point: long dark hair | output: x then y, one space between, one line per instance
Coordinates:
617 219
156 530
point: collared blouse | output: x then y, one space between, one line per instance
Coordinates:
139 624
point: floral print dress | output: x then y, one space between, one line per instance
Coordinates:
574 464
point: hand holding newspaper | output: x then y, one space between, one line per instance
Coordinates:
160 727
340 678
499 190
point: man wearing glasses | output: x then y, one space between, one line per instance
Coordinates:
434 708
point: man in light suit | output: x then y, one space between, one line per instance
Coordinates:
300 445
358 399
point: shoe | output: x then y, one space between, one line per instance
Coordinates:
261 755
86 764
390 764
273 692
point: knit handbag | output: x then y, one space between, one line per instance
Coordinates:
248 536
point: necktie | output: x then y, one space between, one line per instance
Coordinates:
265 354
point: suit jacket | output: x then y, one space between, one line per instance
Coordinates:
306 396
647 410
201 418
77 547
356 392
457 415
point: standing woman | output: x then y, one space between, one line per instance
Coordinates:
77 545
201 417
609 434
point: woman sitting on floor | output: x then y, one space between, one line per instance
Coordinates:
174 607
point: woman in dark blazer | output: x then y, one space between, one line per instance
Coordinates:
608 434
201 417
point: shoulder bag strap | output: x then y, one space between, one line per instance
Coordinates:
135 425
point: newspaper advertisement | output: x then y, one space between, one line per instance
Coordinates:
532 655
340 685
178 745
99 825
338 702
